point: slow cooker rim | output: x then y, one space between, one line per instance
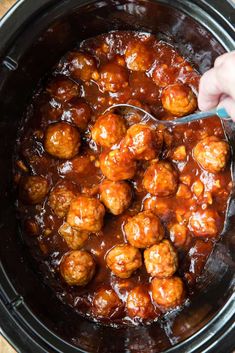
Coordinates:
230 301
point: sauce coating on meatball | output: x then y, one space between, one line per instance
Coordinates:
62 140
212 154
61 196
78 113
116 196
138 56
161 260
168 292
144 230
179 99
86 213
204 223
123 260
74 238
106 303
142 142
108 130
82 66
113 77
139 304
116 165
160 179
77 267
63 89
33 189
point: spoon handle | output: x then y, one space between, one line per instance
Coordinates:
220 112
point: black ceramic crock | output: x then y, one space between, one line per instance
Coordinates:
33 36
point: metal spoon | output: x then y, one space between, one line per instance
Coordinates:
220 112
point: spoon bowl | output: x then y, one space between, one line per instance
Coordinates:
220 112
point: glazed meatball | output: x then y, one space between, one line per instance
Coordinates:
138 56
116 165
211 154
144 230
161 260
77 267
106 303
123 260
78 113
78 166
160 179
167 292
179 99
62 140
74 238
113 77
141 141
108 130
178 234
163 75
86 213
116 196
33 189
139 304
82 66
63 89
204 223
61 196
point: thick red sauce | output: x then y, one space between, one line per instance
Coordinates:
39 222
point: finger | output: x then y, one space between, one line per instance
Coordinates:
220 59
217 81
229 104
209 91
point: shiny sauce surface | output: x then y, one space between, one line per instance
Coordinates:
198 189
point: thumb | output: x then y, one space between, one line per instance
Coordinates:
229 104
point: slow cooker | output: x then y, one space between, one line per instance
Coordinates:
33 36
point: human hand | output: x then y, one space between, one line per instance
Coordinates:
217 86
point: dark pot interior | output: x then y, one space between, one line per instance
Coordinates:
31 316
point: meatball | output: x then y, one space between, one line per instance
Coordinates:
74 238
78 166
33 189
113 77
211 154
178 234
61 196
163 75
106 303
144 230
115 195
82 66
205 223
167 292
179 99
160 179
78 113
62 140
116 165
139 304
161 260
86 213
108 130
123 260
63 89
138 56
141 141
77 267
